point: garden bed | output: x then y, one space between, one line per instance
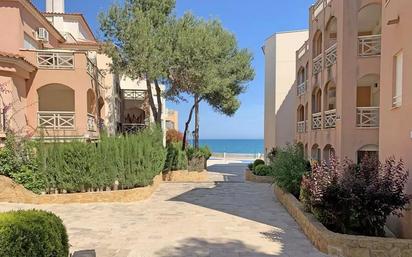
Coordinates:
249 176
12 192
341 245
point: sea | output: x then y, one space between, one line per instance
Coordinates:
239 146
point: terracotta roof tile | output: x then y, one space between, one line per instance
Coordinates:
15 56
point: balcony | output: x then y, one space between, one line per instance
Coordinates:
317 64
367 117
317 120
56 120
301 89
91 122
131 94
132 128
330 119
302 50
319 6
95 73
331 56
369 45
55 60
301 127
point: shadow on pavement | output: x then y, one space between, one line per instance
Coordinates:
231 172
84 253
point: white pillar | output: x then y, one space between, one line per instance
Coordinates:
55 6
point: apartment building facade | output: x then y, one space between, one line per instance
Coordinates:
55 82
352 88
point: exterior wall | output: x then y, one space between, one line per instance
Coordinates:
172 118
396 125
280 66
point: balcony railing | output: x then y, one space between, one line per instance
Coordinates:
131 94
319 6
132 128
317 120
56 120
330 119
331 56
301 127
301 89
2 120
317 64
370 45
302 50
95 73
367 117
55 60
91 122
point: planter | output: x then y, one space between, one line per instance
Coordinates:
185 176
197 164
249 176
341 245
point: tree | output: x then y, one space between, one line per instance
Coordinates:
208 66
138 41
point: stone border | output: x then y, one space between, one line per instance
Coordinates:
249 176
341 245
18 194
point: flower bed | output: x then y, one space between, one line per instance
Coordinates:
249 176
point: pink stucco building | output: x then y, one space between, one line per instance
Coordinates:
353 90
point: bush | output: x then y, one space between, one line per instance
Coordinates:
173 136
32 233
356 199
250 166
257 163
176 158
198 158
263 170
288 168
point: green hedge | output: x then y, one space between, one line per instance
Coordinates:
132 160
32 233
263 170
176 157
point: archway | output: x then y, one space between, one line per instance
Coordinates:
369 29
328 153
331 32
368 101
371 151
316 153
317 44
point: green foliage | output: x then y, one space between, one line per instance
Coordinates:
176 157
32 233
132 160
288 168
202 152
250 166
263 170
257 162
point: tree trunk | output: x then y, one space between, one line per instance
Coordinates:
159 102
196 135
188 122
151 101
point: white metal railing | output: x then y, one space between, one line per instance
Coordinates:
132 128
317 120
131 94
301 127
237 156
95 72
302 50
319 6
301 89
317 64
397 101
331 56
56 120
91 122
370 45
330 119
55 60
367 117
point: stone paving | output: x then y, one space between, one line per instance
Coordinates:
225 217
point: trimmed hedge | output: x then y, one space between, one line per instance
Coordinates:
263 170
32 233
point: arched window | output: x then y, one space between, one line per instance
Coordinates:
371 151
301 113
367 101
317 100
328 152
369 30
330 96
316 153
331 33
91 102
317 44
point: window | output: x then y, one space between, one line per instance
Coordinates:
398 80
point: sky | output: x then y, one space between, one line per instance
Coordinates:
252 21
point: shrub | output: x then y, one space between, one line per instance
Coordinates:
250 166
257 163
356 199
176 158
263 170
202 152
288 168
32 233
272 154
173 136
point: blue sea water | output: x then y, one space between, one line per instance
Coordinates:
234 145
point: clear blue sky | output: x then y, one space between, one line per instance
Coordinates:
252 21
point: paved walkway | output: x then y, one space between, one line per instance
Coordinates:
222 218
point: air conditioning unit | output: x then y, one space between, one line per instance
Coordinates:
42 35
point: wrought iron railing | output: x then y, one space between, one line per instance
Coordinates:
330 119
367 117
301 89
132 94
317 64
317 120
330 56
370 45
91 122
55 60
132 128
56 120
301 127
